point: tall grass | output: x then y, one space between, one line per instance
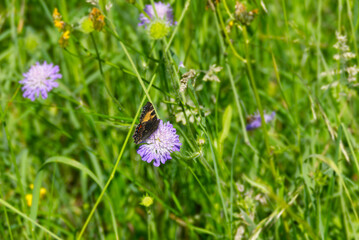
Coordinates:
295 177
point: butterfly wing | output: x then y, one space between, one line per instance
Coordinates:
148 124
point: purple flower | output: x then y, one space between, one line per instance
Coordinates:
181 65
160 144
39 80
256 122
164 12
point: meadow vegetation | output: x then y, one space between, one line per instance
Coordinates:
263 97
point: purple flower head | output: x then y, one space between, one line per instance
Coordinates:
181 65
39 80
160 144
164 12
256 121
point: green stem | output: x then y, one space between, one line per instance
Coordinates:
354 32
17 172
227 37
6 204
116 164
138 75
168 44
98 57
255 91
233 86
217 177
148 224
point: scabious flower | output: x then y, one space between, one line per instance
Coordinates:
164 12
256 121
39 80
159 25
160 144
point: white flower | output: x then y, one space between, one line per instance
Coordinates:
349 55
336 57
352 72
108 6
340 38
239 233
211 74
92 2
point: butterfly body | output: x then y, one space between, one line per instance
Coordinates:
148 124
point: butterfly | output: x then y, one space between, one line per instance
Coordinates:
148 123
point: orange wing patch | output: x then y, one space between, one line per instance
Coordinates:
148 116
148 124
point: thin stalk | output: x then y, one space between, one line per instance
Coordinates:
148 224
354 32
98 57
5 212
186 6
231 193
6 204
228 39
116 164
255 91
138 75
17 172
8 223
168 44
217 176
236 96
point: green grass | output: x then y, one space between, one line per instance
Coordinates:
294 178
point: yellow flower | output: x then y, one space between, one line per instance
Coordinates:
28 198
146 201
56 15
42 192
64 39
66 35
59 24
97 19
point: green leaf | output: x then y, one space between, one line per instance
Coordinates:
86 25
226 124
73 163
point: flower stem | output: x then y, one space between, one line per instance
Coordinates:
138 76
148 224
236 96
255 91
116 164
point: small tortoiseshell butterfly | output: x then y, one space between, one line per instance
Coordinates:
148 123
